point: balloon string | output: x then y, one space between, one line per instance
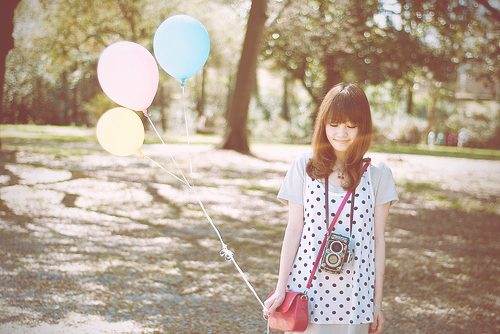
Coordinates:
225 252
187 131
145 112
208 217
157 164
242 274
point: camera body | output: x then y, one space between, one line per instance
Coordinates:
338 251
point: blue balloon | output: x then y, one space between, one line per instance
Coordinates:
181 46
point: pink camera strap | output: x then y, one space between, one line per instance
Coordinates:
330 229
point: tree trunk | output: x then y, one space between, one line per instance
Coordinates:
236 136
6 43
66 99
431 112
284 105
76 113
333 77
409 101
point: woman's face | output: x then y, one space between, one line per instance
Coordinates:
341 135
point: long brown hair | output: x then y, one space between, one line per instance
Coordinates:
342 104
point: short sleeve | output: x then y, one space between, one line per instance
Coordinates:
292 188
384 187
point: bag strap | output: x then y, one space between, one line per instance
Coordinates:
327 207
323 244
330 228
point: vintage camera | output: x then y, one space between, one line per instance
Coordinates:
338 251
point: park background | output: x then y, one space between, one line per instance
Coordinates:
96 243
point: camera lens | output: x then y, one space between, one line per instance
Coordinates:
332 259
336 246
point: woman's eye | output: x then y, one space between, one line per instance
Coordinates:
350 126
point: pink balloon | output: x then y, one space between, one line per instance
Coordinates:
128 74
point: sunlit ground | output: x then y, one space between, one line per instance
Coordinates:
93 243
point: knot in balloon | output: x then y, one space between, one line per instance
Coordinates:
181 46
128 75
120 132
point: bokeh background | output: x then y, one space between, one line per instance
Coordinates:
427 66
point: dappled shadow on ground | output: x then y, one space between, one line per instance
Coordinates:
443 271
88 239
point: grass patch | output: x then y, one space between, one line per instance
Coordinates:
439 151
430 192
418 188
177 138
61 134
441 198
73 134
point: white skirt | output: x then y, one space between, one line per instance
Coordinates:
335 329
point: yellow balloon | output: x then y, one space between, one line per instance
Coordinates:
120 132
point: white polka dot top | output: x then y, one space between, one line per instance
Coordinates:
345 298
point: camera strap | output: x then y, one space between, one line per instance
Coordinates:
352 194
330 228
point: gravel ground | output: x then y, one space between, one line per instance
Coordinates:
93 243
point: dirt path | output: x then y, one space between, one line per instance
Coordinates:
92 243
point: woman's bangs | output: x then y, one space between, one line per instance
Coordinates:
344 109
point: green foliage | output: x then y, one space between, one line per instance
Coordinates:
392 122
51 73
322 43
389 114
267 120
393 48
97 106
464 32
419 46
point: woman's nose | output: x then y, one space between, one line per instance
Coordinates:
342 131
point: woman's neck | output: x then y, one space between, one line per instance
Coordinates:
340 162
338 174
340 156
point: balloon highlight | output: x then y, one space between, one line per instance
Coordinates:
120 132
129 75
181 46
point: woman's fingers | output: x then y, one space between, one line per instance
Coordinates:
377 326
272 303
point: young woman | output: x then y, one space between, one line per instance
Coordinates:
349 302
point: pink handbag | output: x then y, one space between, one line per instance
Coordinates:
292 315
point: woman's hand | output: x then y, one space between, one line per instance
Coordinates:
377 326
272 303
291 242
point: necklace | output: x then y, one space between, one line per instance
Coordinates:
340 173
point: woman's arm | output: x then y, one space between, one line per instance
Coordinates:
291 243
381 214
